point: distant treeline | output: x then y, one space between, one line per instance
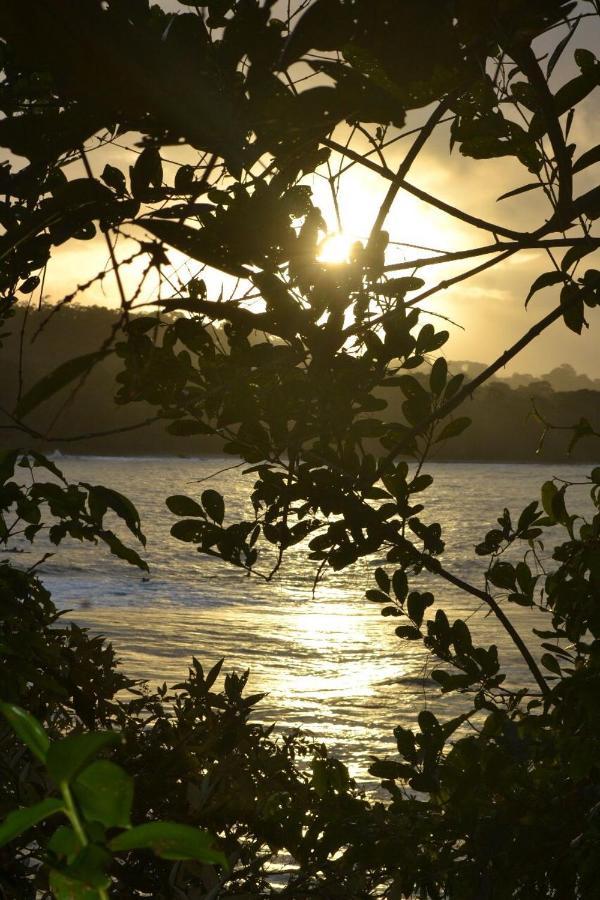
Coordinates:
504 425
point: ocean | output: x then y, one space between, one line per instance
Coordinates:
328 663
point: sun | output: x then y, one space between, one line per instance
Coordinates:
335 248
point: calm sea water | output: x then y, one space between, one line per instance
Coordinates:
329 664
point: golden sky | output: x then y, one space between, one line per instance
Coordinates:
489 308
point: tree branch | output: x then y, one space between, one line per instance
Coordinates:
457 255
423 136
470 388
502 618
527 61
423 195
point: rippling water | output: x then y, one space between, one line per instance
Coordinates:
331 663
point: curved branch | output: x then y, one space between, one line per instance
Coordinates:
502 618
18 425
472 386
422 195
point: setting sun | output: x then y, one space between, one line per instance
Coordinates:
336 248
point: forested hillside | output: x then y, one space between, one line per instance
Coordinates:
504 427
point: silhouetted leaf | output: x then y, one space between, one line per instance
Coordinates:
574 254
408 632
146 172
453 429
567 96
587 159
121 551
532 186
184 506
573 307
551 663
198 244
212 502
187 427
324 26
62 376
114 178
546 280
438 375
397 288
101 499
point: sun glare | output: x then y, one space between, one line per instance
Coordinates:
335 248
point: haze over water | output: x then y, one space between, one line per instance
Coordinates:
330 664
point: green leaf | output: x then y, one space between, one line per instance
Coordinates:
453 429
544 281
184 506
21 820
213 503
67 757
170 841
63 375
65 888
64 843
28 729
105 794
89 867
